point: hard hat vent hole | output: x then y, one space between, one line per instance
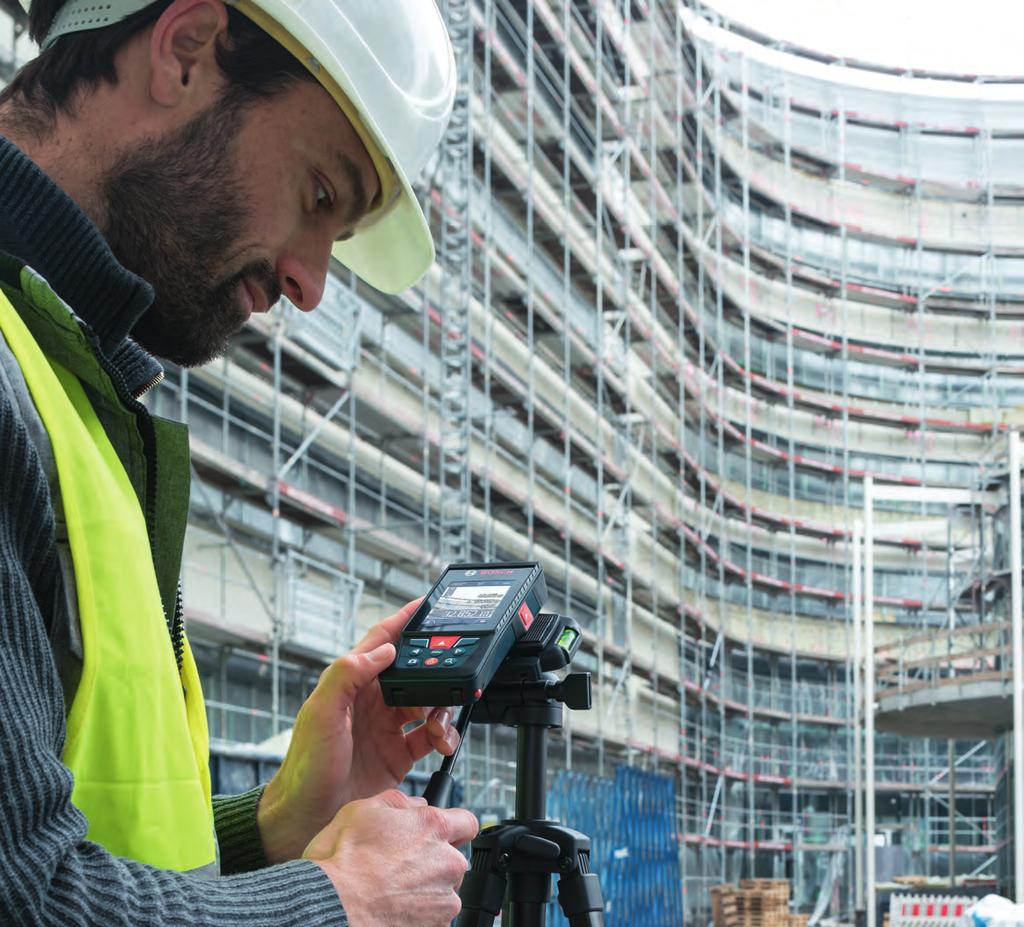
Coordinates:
86 17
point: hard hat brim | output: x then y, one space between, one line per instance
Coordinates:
395 251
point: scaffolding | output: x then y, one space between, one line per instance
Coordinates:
692 293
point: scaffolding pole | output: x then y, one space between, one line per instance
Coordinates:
1018 667
869 694
858 731
951 801
455 255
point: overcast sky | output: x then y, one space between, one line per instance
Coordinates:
934 35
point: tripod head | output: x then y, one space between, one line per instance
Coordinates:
524 690
524 693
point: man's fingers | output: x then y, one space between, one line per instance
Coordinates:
439 720
388 630
462 826
418 743
438 733
393 798
422 741
346 675
410 715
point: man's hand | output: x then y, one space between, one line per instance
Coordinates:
393 861
347 744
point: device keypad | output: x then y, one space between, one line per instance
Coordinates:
447 651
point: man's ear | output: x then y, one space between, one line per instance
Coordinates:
183 50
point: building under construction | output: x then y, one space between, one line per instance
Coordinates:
708 311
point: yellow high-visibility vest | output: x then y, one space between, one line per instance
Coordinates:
137 746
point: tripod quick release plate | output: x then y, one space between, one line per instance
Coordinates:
462 631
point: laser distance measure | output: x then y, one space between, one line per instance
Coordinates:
462 632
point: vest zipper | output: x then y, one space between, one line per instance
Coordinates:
152 382
177 630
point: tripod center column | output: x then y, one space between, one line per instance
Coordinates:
531 773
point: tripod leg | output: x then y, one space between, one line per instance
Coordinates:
579 895
528 894
483 888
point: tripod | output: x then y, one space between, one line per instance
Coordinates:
514 861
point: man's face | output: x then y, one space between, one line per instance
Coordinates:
229 212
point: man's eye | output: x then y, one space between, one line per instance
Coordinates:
323 197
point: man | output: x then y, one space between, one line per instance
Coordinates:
166 169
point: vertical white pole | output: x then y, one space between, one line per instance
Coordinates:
951 808
869 693
1018 669
858 729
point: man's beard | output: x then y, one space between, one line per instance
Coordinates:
175 215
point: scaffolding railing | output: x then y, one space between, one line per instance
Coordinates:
321 604
969 653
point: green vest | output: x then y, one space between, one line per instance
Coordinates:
138 748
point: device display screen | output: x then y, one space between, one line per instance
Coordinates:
467 606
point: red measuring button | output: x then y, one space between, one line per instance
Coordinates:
430 661
443 643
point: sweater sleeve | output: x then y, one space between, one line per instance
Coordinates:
49 873
238 837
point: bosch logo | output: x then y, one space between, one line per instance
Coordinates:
471 572
494 572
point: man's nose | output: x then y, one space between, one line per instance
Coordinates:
302 278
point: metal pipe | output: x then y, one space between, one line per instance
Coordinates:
531 773
278 618
869 692
952 813
858 730
1018 668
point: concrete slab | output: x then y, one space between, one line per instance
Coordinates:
968 709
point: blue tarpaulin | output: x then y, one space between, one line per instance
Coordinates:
631 821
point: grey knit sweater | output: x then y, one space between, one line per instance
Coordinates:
49 873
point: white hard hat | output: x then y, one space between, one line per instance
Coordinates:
389 66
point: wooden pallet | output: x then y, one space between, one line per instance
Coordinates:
749 919
721 902
773 888
754 903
